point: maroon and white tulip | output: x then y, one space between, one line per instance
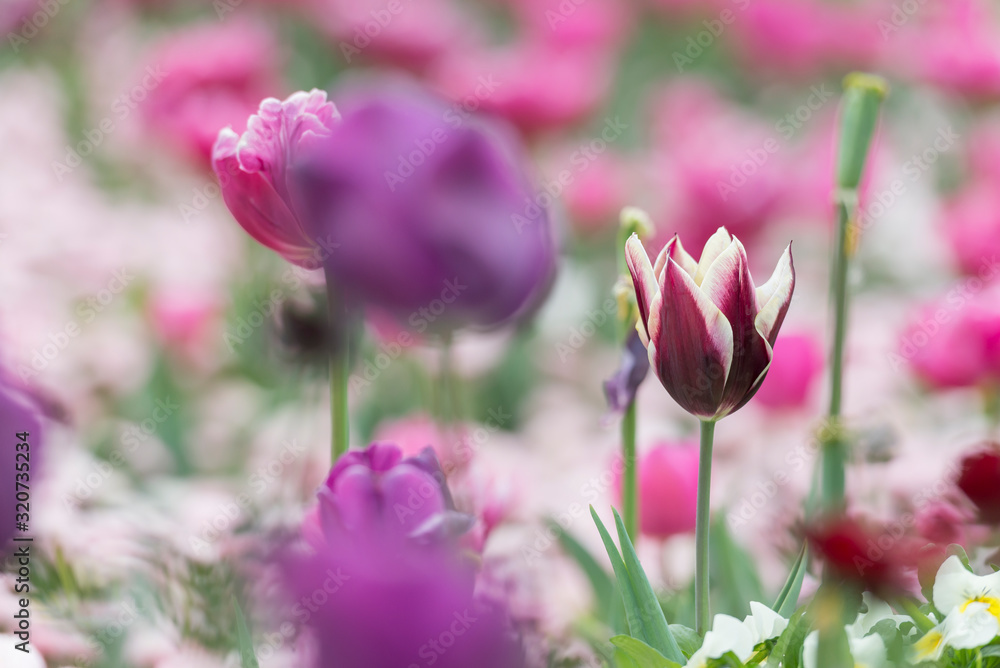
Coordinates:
708 331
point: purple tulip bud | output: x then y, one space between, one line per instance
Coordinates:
18 462
428 212
620 389
708 332
375 490
253 171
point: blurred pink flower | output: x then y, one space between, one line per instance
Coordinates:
983 150
668 489
253 171
185 323
720 165
942 523
802 37
213 76
797 362
405 34
955 47
598 188
972 225
594 24
955 342
535 85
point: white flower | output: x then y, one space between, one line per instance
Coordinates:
729 634
971 606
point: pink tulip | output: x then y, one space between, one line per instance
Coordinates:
807 36
213 76
955 47
708 332
972 226
184 323
798 360
592 25
253 171
719 164
955 342
534 85
668 489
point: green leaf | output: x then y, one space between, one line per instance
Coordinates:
733 572
642 654
601 583
657 630
687 639
959 552
789 646
632 614
247 657
788 598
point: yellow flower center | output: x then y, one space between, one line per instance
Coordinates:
927 645
992 603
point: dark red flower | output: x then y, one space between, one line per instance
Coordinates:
877 559
979 479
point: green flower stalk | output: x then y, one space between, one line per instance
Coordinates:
863 96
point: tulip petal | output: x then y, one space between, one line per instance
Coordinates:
774 296
729 285
643 280
714 247
693 343
675 251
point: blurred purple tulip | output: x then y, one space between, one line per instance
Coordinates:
376 603
375 489
17 415
708 332
253 171
430 214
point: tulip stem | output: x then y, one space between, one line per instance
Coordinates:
701 592
340 370
630 492
834 446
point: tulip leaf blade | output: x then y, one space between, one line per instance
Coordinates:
789 645
687 639
641 654
248 659
657 630
788 598
633 616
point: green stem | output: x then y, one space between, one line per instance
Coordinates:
922 621
835 448
701 598
340 370
630 491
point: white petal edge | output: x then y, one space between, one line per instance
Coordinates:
643 279
714 247
775 294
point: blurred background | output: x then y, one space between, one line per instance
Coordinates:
179 364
